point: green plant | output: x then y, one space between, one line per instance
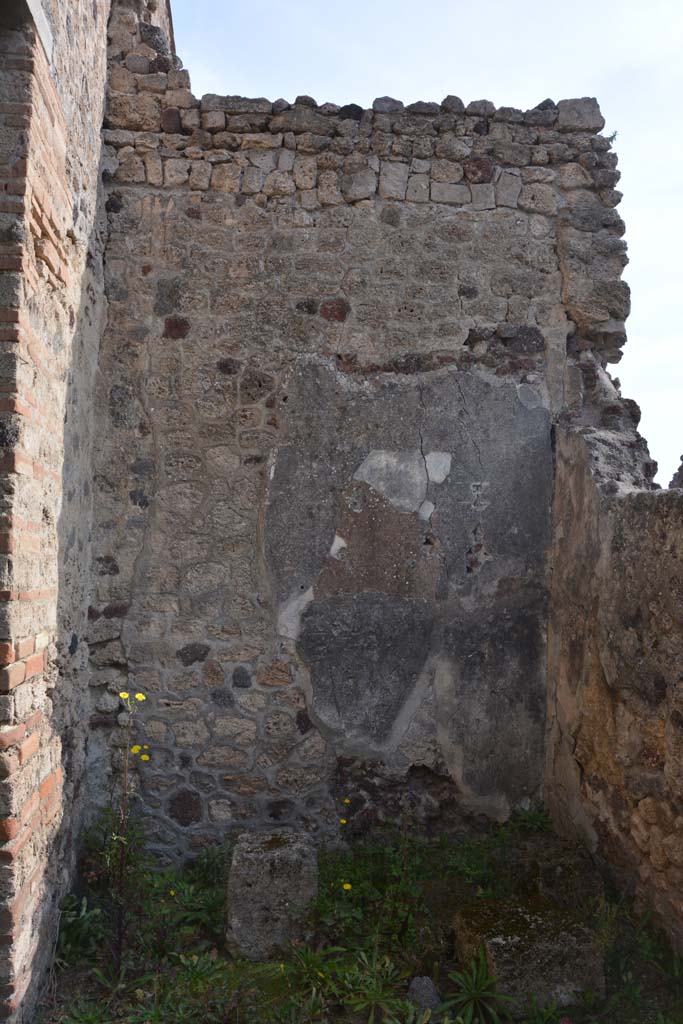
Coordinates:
606 924
541 1014
87 1013
80 932
369 986
531 819
211 866
311 971
374 892
595 1010
115 858
120 838
310 1010
478 1000
413 1015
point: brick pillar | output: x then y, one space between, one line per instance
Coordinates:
35 211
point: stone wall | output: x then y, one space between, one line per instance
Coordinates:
615 753
51 299
284 461
337 342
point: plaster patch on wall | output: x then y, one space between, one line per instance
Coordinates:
400 476
289 615
438 466
426 510
338 545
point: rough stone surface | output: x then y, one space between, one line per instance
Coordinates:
423 993
579 115
273 878
533 948
615 752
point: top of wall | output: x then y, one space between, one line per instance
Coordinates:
549 162
19 11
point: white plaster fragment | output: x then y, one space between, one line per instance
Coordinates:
438 466
338 545
529 397
289 614
426 509
400 476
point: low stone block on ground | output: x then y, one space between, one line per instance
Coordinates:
533 948
273 879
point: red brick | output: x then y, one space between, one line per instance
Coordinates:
50 783
8 737
9 828
10 852
6 653
11 676
25 647
35 665
29 747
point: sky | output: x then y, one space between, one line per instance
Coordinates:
626 53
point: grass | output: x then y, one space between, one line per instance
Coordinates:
382 917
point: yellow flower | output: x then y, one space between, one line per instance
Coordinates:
140 696
320 974
145 746
342 821
172 892
282 967
136 749
346 800
124 695
347 886
144 757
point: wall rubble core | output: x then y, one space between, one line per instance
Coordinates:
308 436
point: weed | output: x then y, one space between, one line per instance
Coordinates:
80 932
212 865
606 923
375 924
478 1000
536 1014
312 971
531 819
369 987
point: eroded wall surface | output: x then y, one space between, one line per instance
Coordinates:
615 754
52 302
52 89
335 349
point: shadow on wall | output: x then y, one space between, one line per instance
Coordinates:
68 697
52 320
